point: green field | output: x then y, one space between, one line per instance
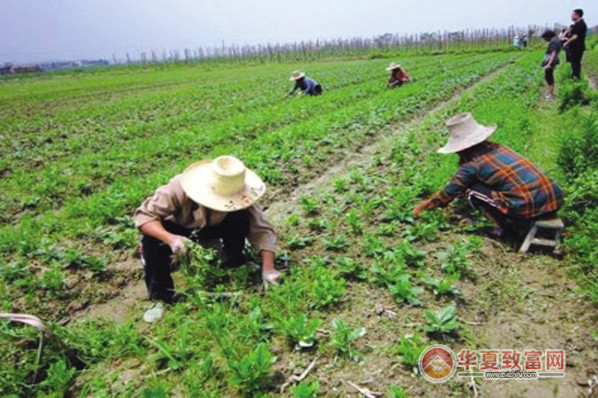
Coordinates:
344 170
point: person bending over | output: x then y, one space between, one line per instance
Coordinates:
209 200
510 190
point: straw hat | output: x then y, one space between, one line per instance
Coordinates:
297 75
465 132
223 184
393 66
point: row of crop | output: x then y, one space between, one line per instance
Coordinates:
42 240
167 111
355 236
90 172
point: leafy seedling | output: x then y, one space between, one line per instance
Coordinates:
442 323
310 205
305 390
403 291
349 268
252 372
343 338
326 289
336 243
409 350
397 392
299 331
445 285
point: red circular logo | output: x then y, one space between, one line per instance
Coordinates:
437 363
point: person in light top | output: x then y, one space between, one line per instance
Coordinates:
213 200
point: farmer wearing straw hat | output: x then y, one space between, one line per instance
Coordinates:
398 75
209 200
306 84
508 188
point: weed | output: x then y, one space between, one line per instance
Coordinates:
445 285
409 350
252 372
337 243
343 338
348 267
442 323
402 290
354 222
310 205
305 390
299 331
326 289
397 392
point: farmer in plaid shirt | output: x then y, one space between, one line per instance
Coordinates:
509 188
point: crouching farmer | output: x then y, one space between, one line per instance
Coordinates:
210 200
306 84
398 76
510 190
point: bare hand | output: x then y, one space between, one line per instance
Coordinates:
421 206
178 245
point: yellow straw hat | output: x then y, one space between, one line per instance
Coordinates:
297 75
224 184
465 132
393 66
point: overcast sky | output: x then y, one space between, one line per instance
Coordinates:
73 29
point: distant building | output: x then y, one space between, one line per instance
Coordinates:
9 68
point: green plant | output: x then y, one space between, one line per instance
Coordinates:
305 390
53 280
326 289
310 205
455 260
412 256
397 392
297 241
402 290
337 243
354 222
58 380
445 285
409 349
443 322
343 337
299 331
252 372
351 268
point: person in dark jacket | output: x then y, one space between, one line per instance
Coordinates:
551 60
306 84
575 45
510 190
398 76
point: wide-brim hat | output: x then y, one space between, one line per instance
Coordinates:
393 66
224 184
297 75
465 132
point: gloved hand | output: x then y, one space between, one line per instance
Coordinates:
178 245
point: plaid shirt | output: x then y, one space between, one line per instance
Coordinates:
519 188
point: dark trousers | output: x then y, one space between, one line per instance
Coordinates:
233 231
575 60
479 196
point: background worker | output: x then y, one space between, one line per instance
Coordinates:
398 76
306 84
508 188
551 60
209 200
575 45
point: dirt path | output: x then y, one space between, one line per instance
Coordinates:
129 300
